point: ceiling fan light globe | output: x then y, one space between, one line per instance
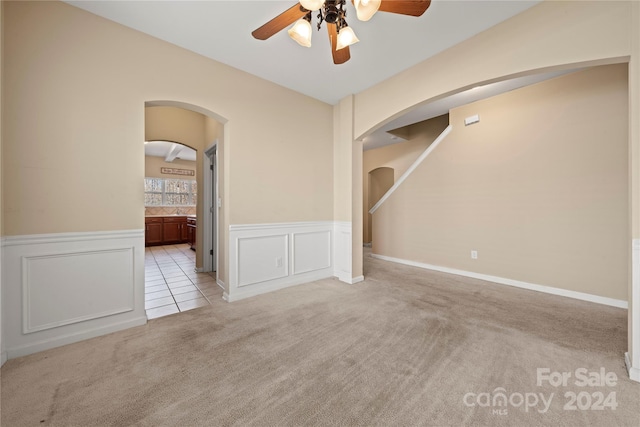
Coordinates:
365 9
346 37
301 32
312 4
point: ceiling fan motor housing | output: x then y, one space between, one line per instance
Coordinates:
333 10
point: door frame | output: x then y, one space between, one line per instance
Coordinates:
210 212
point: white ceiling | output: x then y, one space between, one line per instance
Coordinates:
389 43
169 151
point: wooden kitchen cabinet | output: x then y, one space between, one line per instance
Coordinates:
172 227
152 231
166 230
184 231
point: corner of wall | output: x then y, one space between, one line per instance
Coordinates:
632 357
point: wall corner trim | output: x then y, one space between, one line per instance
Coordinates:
510 282
413 167
634 373
346 278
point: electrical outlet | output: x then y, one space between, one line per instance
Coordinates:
279 262
474 254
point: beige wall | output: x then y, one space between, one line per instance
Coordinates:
398 157
342 159
281 161
88 95
153 165
538 187
176 125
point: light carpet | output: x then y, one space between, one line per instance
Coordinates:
405 347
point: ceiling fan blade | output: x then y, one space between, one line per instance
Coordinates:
280 22
339 56
405 7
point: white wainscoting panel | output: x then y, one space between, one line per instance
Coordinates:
311 251
262 258
89 276
3 354
342 252
267 257
66 287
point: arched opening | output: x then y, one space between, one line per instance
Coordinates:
380 181
185 251
527 128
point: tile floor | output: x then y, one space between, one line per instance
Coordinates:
172 285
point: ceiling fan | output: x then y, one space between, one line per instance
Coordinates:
333 13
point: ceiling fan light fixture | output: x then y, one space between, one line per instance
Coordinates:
346 37
312 4
301 32
365 9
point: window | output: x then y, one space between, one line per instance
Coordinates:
170 192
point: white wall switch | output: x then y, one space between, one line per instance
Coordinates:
474 254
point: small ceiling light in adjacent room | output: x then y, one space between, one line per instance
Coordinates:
301 31
365 9
346 37
312 4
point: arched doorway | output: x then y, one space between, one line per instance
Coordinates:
380 181
204 132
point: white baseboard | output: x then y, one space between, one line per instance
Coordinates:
72 338
634 373
346 278
510 282
274 285
221 284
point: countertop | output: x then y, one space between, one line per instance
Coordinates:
161 216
